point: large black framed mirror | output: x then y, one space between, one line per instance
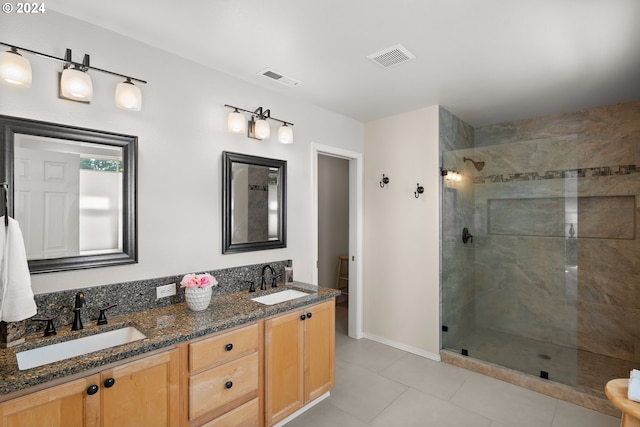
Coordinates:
254 203
72 191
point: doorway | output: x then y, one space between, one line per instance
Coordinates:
337 198
333 231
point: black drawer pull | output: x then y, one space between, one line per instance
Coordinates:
302 317
228 384
308 315
229 347
109 382
93 389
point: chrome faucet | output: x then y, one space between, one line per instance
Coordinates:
263 283
77 320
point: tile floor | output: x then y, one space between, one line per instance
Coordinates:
380 386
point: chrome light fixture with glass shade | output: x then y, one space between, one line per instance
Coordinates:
75 83
257 126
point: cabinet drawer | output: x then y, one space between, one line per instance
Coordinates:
222 348
212 389
246 415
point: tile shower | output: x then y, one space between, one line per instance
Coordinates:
550 283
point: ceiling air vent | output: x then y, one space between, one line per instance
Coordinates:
279 77
390 57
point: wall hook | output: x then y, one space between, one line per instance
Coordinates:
466 236
384 181
419 190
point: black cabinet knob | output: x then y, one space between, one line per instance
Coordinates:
109 382
308 315
229 347
93 389
302 317
228 384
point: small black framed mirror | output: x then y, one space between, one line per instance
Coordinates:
73 192
254 203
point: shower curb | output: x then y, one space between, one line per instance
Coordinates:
530 382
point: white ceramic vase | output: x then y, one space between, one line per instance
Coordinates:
197 298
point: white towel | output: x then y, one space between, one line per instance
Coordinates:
634 386
17 301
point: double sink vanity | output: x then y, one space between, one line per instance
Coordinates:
250 359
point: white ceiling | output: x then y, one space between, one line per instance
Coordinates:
487 61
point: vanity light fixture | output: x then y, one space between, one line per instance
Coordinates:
15 69
260 129
75 83
236 123
419 190
384 181
285 134
128 96
258 126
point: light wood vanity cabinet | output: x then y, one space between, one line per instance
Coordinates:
65 405
299 359
252 375
225 373
143 393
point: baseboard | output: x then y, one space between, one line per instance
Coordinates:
404 347
302 410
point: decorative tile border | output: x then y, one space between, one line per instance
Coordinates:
558 174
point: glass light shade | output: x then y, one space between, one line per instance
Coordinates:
128 96
75 84
262 129
15 69
285 134
236 123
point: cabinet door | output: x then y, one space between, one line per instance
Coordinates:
284 366
143 393
319 350
65 405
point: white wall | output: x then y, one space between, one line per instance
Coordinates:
182 132
401 256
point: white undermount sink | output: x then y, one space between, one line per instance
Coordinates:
278 297
55 352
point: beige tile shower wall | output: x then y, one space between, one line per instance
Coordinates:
523 283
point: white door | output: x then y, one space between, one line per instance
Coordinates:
46 202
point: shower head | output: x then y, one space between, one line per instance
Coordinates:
478 165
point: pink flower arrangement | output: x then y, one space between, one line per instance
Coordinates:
198 280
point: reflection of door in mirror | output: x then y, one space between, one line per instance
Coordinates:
47 185
68 197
